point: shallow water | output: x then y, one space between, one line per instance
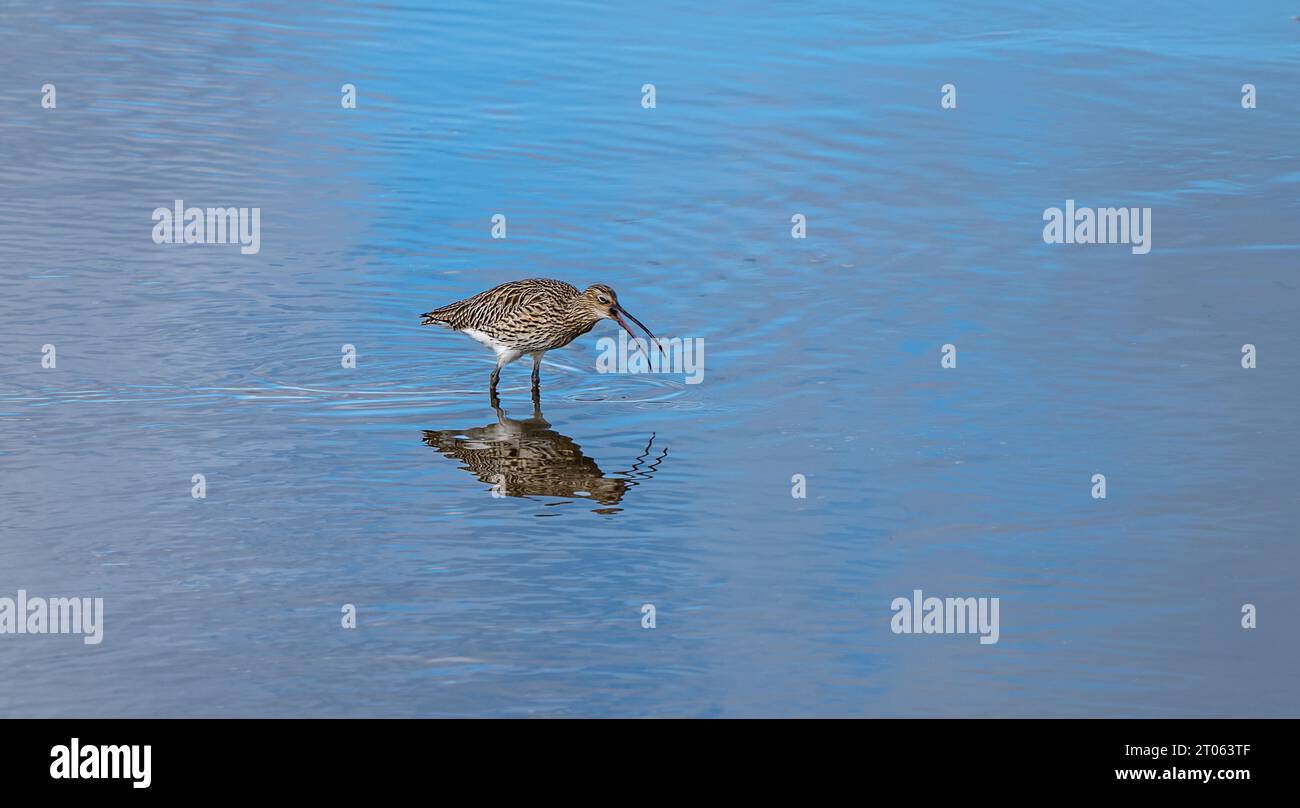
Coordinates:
372 485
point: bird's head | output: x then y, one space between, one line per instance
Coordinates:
601 303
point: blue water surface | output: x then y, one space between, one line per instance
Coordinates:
328 485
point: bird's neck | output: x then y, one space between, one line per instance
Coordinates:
580 316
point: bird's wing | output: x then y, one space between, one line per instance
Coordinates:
486 308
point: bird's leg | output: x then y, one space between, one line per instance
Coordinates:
496 377
537 372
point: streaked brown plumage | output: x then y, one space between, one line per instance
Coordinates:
531 317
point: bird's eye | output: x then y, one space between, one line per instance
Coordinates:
603 299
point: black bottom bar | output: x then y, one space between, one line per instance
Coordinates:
359 757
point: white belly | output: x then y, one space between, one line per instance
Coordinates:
505 353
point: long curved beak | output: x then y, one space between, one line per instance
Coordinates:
653 339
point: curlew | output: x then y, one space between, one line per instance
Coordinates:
533 317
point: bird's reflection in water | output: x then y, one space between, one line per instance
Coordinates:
526 458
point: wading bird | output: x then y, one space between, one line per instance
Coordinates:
533 317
